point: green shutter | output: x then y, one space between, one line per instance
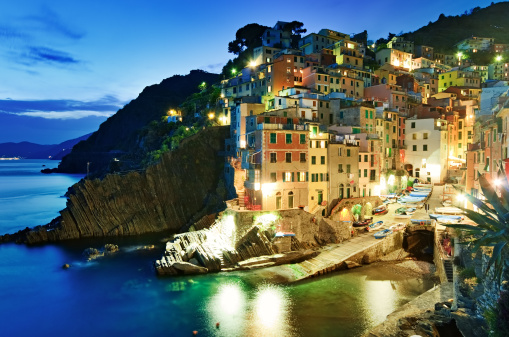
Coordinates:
273 138
293 177
303 139
307 176
284 177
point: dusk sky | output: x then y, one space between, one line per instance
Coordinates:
66 66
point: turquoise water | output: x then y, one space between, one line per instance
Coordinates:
119 295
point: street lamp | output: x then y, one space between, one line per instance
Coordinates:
460 55
234 71
498 58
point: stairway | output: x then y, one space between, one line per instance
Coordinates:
448 270
241 194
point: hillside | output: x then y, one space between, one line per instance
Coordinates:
492 21
118 135
37 151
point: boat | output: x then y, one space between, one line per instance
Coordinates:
444 216
397 227
405 210
282 234
380 210
447 220
402 216
422 222
375 225
448 210
383 233
363 223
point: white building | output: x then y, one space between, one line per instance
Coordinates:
426 149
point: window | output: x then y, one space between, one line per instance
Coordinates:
273 157
301 176
414 135
273 138
414 147
371 115
302 157
360 158
288 157
425 135
348 152
322 160
347 168
313 160
273 177
412 125
365 173
340 168
367 113
288 138
425 147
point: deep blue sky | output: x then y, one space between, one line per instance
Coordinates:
65 66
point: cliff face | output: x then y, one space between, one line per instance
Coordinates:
118 135
164 197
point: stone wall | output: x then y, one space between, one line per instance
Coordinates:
383 247
349 203
309 229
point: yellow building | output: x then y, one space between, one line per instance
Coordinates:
459 78
318 183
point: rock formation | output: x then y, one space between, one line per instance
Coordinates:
165 197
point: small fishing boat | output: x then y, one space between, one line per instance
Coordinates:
402 216
444 216
397 227
363 223
380 210
422 222
448 210
383 233
282 234
374 226
405 210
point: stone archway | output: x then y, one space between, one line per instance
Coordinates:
410 169
368 210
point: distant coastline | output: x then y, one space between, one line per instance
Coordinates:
13 158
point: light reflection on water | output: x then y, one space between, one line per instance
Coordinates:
264 311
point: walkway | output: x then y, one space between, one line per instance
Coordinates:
333 257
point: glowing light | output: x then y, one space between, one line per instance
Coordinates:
242 144
497 182
234 71
460 197
270 309
257 186
266 220
382 182
391 180
377 190
252 64
460 55
499 58
211 115
268 188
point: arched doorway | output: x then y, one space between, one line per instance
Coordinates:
356 211
368 209
290 199
410 169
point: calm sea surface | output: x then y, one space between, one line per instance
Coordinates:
119 295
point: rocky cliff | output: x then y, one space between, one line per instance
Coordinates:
185 185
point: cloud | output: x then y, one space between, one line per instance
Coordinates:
30 40
47 55
62 109
52 23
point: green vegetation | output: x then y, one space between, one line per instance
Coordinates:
497 317
442 34
492 219
467 273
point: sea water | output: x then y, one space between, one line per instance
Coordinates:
120 294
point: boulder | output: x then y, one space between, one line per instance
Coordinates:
189 268
351 264
110 248
91 253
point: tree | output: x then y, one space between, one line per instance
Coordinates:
249 36
492 219
295 27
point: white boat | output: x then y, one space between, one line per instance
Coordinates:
448 210
402 216
397 227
